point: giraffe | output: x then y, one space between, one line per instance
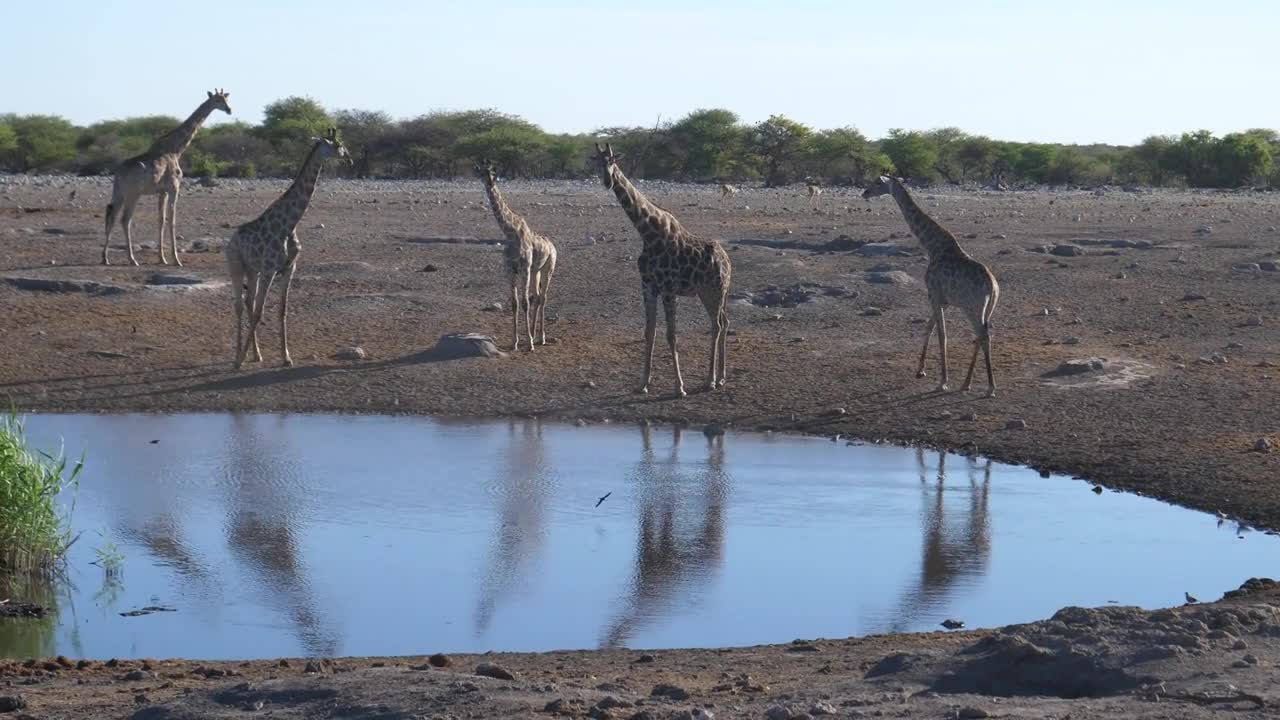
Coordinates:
529 259
158 171
268 246
813 190
953 277
673 263
727 190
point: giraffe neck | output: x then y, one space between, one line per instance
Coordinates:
513 226
293 203
177 140
652 222
935 238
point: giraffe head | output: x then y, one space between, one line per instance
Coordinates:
487 171
882 186
219 99
606 161
330 146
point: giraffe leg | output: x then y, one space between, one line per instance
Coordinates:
163 210
173 227
717 316
112 214
724 341
942 347
126 219
669 308
515 314
264 289
542 301
650 329
285 280
236 270
975 319
255 292
986 351
530 277
924 352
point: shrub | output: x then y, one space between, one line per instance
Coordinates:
34 532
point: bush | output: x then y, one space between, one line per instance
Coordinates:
34 533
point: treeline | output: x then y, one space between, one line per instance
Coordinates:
705 145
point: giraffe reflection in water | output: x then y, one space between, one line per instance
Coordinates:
263 521
950 552
680 534
523 482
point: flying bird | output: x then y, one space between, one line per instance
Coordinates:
602 498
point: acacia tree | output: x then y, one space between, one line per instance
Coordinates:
363 131
913 154
779 141
704 140
289 124
41 142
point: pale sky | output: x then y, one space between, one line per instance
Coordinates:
1084 71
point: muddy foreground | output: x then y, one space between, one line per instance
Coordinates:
1175 292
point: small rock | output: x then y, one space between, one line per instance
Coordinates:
350 353
1240 645
1077 367
952 624
971 713
1067 250
609 702
11 703
968 416
1250 659
440 660
671 692
1015 424
1263 445
494 671
1255 321
999 236
429 268
137 675
1192 296
779 712
1269 266
872 311
822 707
1204 230
562 706
492 307
1097 489
892 277
1247 267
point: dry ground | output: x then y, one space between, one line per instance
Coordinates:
1187 326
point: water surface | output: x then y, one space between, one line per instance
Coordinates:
287 535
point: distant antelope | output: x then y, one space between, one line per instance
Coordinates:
813 189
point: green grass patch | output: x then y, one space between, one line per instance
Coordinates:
35 532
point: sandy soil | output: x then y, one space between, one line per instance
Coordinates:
1176 291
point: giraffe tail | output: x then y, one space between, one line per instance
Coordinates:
110 215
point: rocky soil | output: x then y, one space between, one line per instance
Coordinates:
1136 344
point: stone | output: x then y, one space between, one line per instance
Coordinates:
562 706
171 279
1251 659
872 311
1263 445
11 703
1204 230
882 249
779 712
952 624
350 353
137 675
1015 424
1269 266
440 660
464 345
1255 321
496 672
1247 267
492 307
969 712
1192 297
1067 250
671 692
893 277
822 707
1077 367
